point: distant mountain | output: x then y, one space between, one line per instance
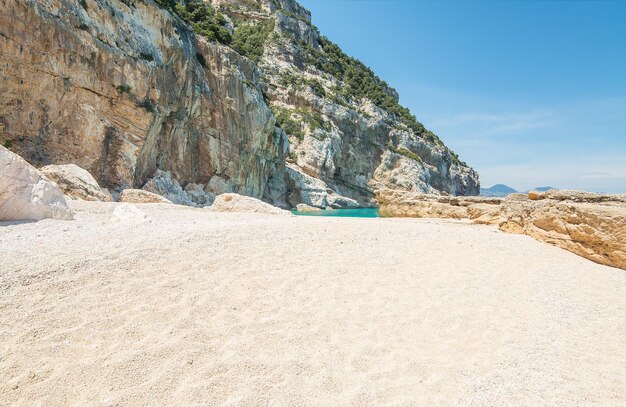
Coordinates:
542 189
498 190
501 190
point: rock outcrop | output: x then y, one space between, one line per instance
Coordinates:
240 203
394 203
577 196
597 232
76 182
25 194
314 192
590 225
307 208
199 195
124 89
165 185
141 196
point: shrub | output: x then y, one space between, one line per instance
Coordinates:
249 38
293 127
285 121
287 79
146 57
83 3
295 81
360 81
315 120
147 104
317 87
405 152
202 18
124 88
8 144
295 16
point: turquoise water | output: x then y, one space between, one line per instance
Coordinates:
343 213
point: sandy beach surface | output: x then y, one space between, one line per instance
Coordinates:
191 307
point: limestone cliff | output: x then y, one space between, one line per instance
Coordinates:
345 125
124 88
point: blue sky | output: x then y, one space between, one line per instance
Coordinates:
529 93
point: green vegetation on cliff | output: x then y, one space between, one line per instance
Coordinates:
285 121
296 81
292 120
202 17
250 37
405 152
362 82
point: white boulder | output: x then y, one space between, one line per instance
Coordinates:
25 194
76 182
240 203
127 214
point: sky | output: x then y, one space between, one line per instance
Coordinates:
529 93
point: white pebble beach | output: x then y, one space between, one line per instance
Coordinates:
192 307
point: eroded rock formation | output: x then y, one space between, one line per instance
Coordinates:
590 225
394 203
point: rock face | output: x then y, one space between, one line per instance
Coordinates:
125 88
590 225
141 196
76 182
25 194
240 203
